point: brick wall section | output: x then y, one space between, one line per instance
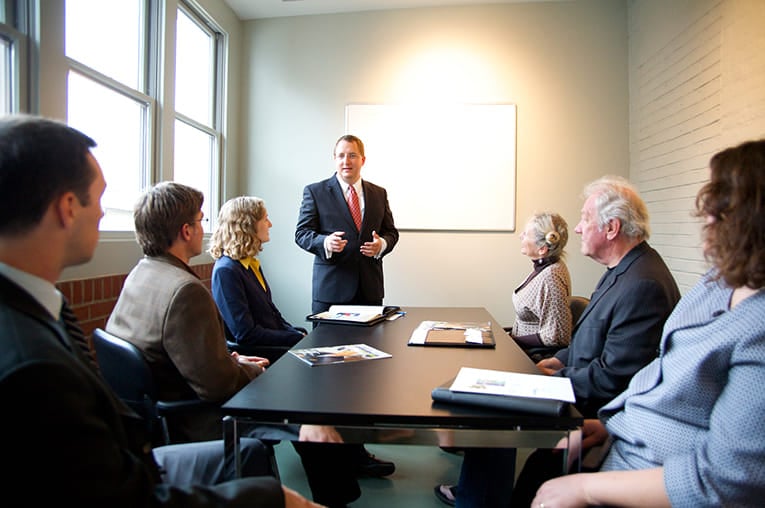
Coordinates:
93 299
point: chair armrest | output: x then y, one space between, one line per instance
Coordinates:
165 408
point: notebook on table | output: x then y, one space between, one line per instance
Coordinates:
453 334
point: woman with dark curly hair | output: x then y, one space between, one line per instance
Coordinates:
690 428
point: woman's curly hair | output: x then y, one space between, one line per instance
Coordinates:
236 233
733 204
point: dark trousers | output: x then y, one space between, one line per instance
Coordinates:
486 478
541 465
329 468
203 462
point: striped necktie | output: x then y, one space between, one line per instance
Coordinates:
354 206
77 336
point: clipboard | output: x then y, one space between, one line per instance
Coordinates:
453 334
356 315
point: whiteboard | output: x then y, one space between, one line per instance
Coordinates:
445 167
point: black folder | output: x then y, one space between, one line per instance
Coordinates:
546 407
362 320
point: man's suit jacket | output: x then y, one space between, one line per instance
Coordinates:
249 312
169 314
619 331
66 436
324 211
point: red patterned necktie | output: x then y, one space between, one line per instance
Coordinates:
353 205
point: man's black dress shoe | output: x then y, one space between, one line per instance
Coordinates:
369 465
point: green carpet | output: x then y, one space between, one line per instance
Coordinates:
418 470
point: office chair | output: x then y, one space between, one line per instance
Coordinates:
577 305
127 372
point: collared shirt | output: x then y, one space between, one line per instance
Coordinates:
42 290
359 191
252 263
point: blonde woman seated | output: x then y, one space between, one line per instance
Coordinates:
543 316
239 287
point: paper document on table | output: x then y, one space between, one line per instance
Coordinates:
516 384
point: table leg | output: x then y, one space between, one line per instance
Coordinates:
231 452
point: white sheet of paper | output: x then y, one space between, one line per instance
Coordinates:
497 382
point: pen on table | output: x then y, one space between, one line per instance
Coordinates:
397 315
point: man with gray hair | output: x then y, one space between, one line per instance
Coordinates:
619 331
617 334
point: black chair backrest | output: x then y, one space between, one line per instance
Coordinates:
125 369
577 305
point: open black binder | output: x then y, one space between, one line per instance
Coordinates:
358 315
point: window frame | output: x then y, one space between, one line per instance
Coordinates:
22 59
219 40
157 80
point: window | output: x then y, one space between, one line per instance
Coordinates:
110 98
15 79
199 46
6 71
115 59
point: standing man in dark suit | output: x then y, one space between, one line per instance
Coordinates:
65 435
346 223
347 267
617 334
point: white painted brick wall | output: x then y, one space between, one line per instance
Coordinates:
697 85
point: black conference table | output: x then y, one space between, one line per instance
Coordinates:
388 400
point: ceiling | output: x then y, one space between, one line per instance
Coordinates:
254 9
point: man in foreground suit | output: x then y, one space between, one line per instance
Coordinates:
348 257
617 334
66 436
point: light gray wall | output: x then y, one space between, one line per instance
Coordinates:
564 64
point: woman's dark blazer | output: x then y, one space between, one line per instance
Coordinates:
248 310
